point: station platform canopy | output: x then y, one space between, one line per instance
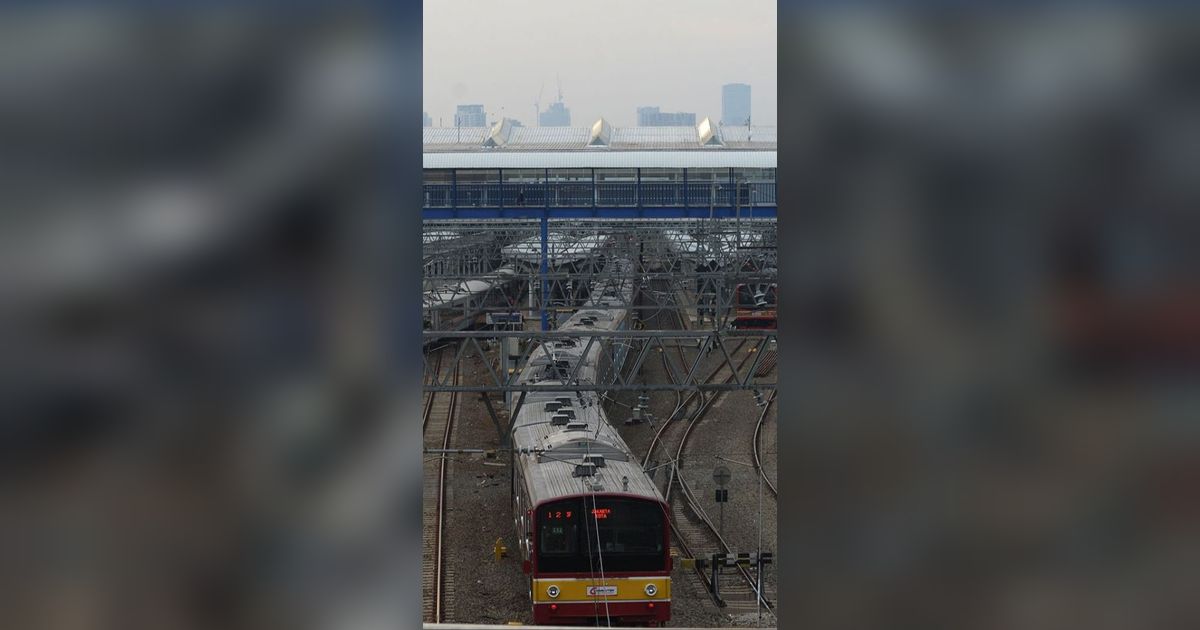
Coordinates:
599 137
584 159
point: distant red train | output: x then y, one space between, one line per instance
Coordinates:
755 306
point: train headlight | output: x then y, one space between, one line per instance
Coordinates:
651 590
552 591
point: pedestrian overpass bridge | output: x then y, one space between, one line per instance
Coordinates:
603 172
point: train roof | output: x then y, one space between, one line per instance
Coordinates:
551 471
560 248
445 294
550 453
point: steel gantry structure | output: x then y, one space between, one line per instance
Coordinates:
521 224
756 349
690 266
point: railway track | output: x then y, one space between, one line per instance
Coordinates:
704 539
694 532
437 423
758 446
659 436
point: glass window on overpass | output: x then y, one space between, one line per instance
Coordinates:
524 187
478 176
616 187
438 176
662 175
755 175
699 175
570 187
478 188
570 175
662 187
438 188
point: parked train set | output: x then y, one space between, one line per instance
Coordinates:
755 306
593 529
462 305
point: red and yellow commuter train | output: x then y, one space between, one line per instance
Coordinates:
593 529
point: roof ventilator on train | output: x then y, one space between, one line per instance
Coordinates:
584 470
598 460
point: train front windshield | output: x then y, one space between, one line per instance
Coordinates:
576 536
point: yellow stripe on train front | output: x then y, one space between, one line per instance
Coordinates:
612 589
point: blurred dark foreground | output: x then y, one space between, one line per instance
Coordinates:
993 340
209 313
206 423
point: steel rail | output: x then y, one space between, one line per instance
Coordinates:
757 456
441 510
694 504
430 395
437 570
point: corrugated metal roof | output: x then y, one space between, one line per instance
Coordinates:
451 136
549 138
655 138
466 139
744 138
718 158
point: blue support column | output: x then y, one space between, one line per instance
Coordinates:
545 269
686 192
637 189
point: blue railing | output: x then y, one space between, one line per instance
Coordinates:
439 196
609 194
604 194
522 196
570 194
661 194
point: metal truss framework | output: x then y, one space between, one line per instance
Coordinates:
689 265
601 212
714 352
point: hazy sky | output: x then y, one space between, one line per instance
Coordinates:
612 55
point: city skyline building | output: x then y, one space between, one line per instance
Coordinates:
470 116
651 116
557 115
735 104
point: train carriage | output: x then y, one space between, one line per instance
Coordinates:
755 306
593 529
463 305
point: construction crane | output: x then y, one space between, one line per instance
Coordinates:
537 105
